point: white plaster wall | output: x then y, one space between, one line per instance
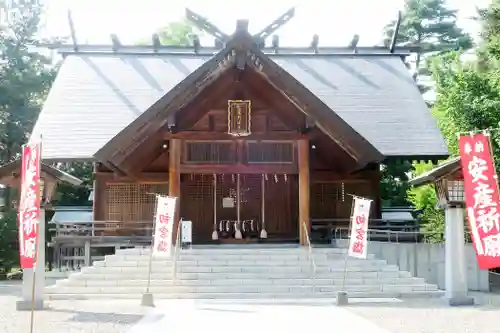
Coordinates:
427 261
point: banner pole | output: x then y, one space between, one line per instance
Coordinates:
33 292
147 297
344 274
342 298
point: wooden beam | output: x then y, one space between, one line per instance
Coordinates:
143 177
304 191
255 169
198 135
174 179
333 177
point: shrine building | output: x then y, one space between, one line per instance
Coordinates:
256 142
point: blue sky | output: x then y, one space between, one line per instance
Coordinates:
334 20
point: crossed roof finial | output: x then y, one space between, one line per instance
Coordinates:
204 24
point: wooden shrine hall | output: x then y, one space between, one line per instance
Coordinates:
255 141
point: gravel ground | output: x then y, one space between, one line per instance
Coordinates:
434 316
68 316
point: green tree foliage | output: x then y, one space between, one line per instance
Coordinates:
394 183
489 48
9 255
25 78
467 99
175 33
424 199
431 25
69 195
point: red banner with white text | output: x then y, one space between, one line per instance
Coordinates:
29 204
481 198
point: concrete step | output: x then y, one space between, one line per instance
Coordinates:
242 264
242 251
232 271
176 289
247 272
249 296
242 282
118 275
214 261
214 256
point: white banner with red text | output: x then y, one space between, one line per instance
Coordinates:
358 241
29 204
481 197
164 225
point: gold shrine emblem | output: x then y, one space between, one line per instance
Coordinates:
239 117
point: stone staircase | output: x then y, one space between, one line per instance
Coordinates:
240 272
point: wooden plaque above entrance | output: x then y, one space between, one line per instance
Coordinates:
239 117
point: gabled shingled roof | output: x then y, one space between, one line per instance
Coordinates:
94 97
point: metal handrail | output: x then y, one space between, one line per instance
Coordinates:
310 255
176 251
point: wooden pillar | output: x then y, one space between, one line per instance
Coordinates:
377 209
100 200
304 189
174 178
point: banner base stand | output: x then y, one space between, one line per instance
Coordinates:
460 301
147 300
27 305
342 298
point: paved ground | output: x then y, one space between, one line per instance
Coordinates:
434 316
411 316
68 316
250 316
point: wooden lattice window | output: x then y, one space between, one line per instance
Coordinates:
270 152
132 202
325 197
218 152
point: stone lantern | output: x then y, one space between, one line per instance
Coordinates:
49 178
449 185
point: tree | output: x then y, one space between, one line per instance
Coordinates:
489 48
174 33
25 78
424 199
430 25
70 195
394 183
467 100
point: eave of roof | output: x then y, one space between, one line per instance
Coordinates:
443 170
14 169
106 49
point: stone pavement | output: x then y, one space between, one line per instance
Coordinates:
250 316
374 316
67 316
434 316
